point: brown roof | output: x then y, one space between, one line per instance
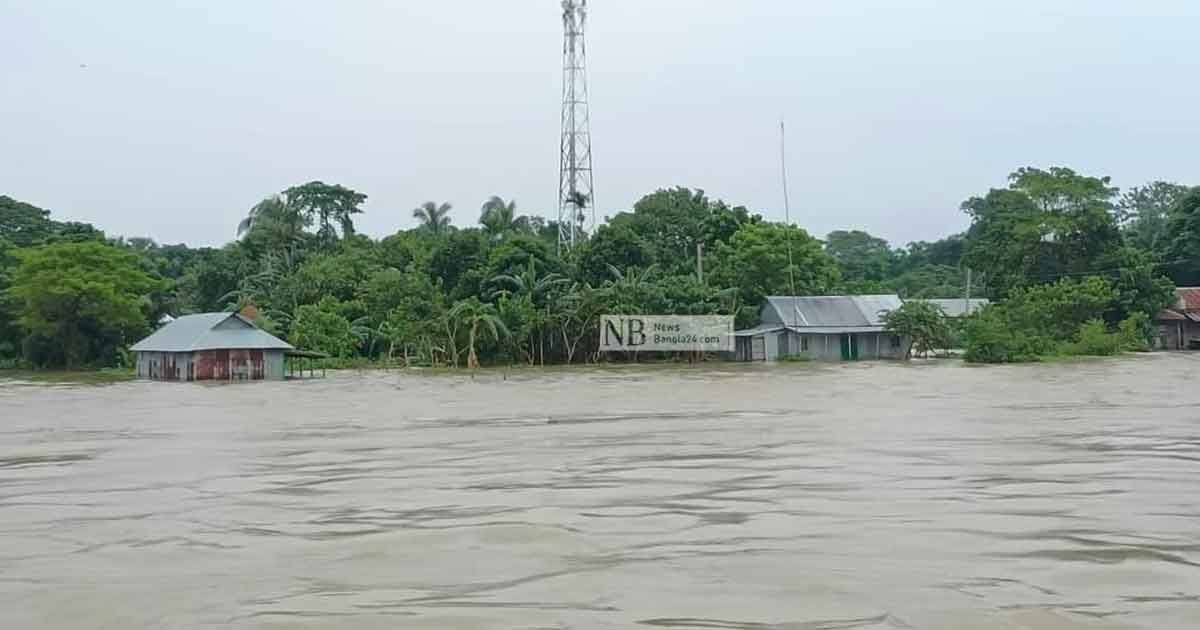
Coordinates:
1186 308
1189 299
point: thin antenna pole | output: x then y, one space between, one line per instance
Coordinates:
787 216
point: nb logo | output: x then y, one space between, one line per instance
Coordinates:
624 331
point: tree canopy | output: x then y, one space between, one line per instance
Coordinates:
79 304
432 294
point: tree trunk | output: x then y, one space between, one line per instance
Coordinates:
472 360
567 346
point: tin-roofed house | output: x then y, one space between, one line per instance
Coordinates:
1179 326
825 328
211 347
957 308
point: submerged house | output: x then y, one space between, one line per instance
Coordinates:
1179 326
825 328
211 347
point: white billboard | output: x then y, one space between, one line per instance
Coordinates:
666 333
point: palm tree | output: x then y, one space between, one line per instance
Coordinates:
498 217
474 314
530 286
270 205
527 283
433 217
277 220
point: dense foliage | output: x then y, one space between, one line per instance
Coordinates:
503 292
1059 319
924 327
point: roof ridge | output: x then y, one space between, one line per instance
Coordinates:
217 322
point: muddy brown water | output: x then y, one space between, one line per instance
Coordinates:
804 497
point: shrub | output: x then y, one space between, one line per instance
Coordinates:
990 338
1136 332
1094 339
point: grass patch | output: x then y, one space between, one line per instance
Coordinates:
102 376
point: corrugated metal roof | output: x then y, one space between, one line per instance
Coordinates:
199 332
835 330
836 311
958 307
758 330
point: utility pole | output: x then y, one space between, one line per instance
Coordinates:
700 262
576 193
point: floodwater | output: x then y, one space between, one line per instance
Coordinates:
797 497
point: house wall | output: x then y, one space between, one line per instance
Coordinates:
212 365
1176 335
164 366
821 347
274 364
825 347
773 345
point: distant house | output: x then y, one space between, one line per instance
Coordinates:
211 346
826 328
958 307
1179 326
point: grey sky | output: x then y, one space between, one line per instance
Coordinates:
187 113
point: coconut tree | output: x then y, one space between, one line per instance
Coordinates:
498 217
476 316
433 217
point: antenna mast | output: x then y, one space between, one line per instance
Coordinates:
576 196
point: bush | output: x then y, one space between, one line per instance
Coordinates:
1137 332
989 337
319 327
1095 340
1051 319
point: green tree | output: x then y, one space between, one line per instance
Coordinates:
535 289
274 224
1145 214
458 262
80 303
322 327
1183 254
414 323
922 325
1037 321
672 222
433 217
613 246
1045 226
860 256
516 254
477 316
329 206
10 332
756 261
23 224
498 218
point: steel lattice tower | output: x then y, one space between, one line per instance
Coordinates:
576 195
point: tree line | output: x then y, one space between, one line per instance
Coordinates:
500 291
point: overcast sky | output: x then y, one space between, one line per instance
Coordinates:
169 118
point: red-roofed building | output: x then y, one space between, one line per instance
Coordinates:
1179 326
